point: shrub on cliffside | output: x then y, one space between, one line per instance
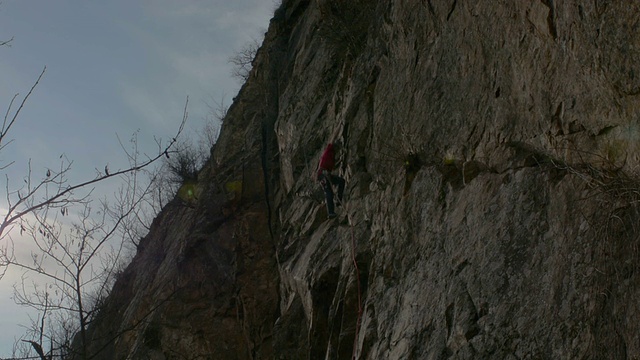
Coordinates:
183 164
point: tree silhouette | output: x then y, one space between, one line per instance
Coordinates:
76 242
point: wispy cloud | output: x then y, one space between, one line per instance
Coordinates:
150 107
189 65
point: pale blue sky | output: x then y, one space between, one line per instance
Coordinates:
113 67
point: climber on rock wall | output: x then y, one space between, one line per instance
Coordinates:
328 180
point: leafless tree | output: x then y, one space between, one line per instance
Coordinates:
243 60
53 190
208 135
71 258
144 184
43 338
217 110
73 264
76 242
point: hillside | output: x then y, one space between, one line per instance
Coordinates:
491 209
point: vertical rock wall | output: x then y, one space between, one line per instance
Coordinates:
491 204
490 161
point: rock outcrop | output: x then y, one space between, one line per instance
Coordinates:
491 211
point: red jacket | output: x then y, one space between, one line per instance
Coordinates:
327 161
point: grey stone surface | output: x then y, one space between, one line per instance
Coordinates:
490 152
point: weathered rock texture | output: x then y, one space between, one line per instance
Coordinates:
490 150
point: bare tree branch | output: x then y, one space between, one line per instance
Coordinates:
37 348
78 259
6 42
243 60
6 126
74 252
63 195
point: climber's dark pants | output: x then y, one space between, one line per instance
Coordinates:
327 180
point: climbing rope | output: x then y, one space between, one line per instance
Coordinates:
357 273
355 265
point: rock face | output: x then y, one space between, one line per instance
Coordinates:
491 212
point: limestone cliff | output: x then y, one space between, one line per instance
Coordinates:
491 211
